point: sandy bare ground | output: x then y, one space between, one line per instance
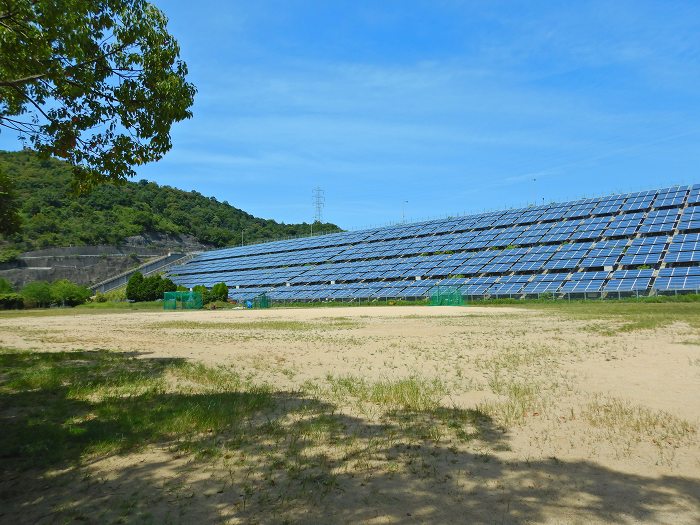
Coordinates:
586 428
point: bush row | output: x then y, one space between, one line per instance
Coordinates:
218 292
140 288
11 301
40 294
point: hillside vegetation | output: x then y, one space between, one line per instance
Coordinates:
53 216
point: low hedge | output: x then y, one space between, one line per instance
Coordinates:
11 301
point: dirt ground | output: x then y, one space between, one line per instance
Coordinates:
588 427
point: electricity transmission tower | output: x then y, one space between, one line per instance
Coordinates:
319 201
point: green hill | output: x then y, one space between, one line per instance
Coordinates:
53 216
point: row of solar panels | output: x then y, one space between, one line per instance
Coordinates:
602 206
653 223
644 251
505 254
675 279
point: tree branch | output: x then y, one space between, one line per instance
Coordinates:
34 103
31 78
18 82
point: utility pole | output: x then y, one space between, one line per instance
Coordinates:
403 212
534 186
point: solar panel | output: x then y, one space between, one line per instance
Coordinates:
527 266
544 284
687 242
682 257
641 259
670 199
588 276
582 286
694 196
687 283
561 264
628 285
679 272
507 288
632 274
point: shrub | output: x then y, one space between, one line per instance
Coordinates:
150 288
140 288
36 294
11 301
5 286
205 293
167 286
68 293
134 286
219 292
115 295
155 286
9 255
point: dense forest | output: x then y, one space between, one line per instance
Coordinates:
53 216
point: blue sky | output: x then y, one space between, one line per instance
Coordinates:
453 106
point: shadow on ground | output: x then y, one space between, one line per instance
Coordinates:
112 437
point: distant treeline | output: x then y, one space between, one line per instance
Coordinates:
53 216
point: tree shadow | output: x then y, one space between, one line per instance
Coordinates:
152 451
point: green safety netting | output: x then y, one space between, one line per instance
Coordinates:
446 296
186 300
261 301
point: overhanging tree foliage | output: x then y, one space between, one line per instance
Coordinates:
97 82
9 207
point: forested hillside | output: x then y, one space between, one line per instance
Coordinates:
53 216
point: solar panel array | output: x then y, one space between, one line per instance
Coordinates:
636 243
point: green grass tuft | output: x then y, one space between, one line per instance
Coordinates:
411 393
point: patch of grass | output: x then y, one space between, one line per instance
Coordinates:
410 408
624 316
59 409
607 329
411 393
85 309
684 298
513 359
273 325
619 416
521 399
239 325
122 305
349 304
69 405
342 322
